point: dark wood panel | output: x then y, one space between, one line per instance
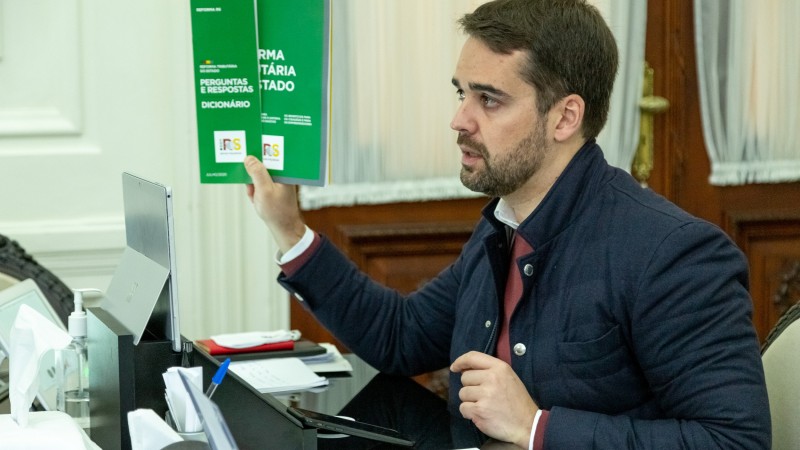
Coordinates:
761 218
772 245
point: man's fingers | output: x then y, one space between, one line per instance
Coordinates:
470 393
466 410
251 191
473 411
474 377
473 360
258 173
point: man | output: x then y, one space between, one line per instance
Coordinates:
585 311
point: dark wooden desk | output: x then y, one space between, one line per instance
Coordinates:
260 420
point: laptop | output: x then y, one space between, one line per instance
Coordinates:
27 292
143 292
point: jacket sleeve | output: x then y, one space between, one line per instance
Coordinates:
692 334
396 334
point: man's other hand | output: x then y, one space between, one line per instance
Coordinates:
494 398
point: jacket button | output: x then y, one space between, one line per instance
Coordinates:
519 349
488 323
528 269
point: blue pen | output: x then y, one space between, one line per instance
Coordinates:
223 369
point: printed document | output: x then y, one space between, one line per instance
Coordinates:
278 375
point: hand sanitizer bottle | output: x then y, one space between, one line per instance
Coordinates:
72 366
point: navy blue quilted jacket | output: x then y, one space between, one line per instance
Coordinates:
635 317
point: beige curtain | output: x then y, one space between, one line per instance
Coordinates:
392 99
748 69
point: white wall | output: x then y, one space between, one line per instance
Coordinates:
92 88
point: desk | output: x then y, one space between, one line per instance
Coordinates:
259 421
366 395
380 399
395 402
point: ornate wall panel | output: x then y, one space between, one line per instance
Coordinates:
772 245
40 57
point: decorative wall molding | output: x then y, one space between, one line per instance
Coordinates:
47 121
41 96
67 235
771 240
363 242
35 150
788 293
746 226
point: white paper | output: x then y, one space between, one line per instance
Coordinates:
180 405
148 431
277 374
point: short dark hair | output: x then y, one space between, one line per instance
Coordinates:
570 50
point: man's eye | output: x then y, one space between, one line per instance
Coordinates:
489 101
460 94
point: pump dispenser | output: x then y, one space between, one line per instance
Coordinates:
72 366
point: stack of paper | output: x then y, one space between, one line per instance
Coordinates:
330 361
278 375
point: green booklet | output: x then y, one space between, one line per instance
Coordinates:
262 85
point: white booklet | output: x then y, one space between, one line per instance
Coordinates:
278 375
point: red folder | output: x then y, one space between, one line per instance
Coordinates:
212 348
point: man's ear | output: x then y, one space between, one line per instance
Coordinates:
569 118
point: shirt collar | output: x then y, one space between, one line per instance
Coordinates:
505 214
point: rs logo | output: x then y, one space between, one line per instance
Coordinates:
234 144
272 150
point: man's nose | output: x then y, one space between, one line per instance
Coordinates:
463 120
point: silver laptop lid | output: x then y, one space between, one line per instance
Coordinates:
150 230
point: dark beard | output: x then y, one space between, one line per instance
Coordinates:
505 174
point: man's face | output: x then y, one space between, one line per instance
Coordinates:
502 137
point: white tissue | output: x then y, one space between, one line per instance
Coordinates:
32 335
180 404
148 431
46 430
253 338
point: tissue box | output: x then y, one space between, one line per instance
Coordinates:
46 430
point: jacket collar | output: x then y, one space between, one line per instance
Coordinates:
565 201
